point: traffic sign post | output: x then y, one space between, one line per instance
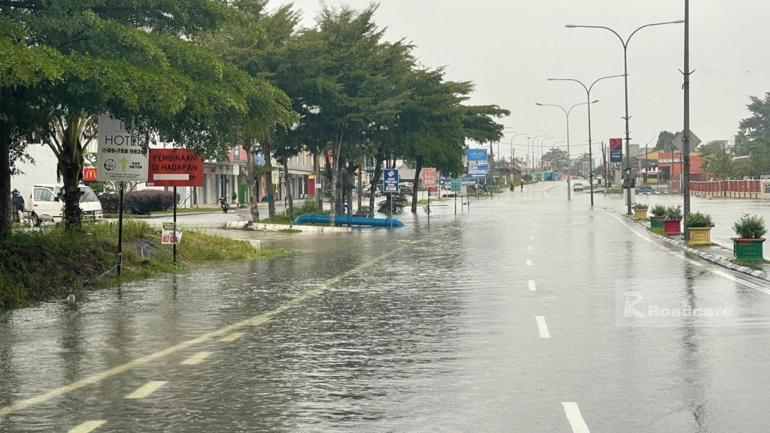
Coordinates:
428 179
175 167
390 186
456 186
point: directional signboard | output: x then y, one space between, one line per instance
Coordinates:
120 156
616 150
478 167
678 141
429 178
456 186
175 167
390 181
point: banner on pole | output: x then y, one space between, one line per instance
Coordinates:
616 150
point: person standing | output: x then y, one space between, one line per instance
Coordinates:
18 205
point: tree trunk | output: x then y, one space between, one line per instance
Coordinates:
70 167
5 178
267 147
375 182
318 191
288 186
335 169
253 180
416 186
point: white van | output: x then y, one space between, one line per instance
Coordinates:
44 204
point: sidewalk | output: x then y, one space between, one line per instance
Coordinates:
717 253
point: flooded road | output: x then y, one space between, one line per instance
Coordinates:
510 318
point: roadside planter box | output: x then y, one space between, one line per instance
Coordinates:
748 250
656 224
699 236
748 245
672 227
640 214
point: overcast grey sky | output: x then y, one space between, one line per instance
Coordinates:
509 48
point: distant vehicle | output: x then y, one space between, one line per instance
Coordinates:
577 187
646 189
46 205
405 188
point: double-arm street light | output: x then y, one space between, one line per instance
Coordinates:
588 90
625 42
567 112
512 151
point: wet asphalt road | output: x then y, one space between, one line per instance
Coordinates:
509 319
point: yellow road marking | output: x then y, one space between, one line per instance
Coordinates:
197 358
146 389
87 426
252 321
232 337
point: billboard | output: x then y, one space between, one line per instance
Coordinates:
429 178
120 156
478 167
616 150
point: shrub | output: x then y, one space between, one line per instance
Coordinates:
640 206
697 219
750 227
674 213
110 202
658 210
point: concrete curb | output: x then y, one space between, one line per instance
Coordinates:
708 256
242 225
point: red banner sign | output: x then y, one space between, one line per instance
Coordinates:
429 178
89 174
175 167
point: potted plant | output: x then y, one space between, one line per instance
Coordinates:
656 221
672 224
640 211
748 245
699 226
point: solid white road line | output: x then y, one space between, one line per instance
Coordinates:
542 327
87 426
707 267
574 417
232 337
531 284
529 262
257 320
146 389
196 359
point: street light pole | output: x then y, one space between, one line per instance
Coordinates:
534 146
588 90
686 131
567 112
625 42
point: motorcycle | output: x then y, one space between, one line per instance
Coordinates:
224 205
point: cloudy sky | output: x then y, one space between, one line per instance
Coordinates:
510 47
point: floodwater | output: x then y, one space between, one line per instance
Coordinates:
505 319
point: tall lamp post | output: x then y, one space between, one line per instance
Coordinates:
588 90
513 154
567 112
625 42
534 146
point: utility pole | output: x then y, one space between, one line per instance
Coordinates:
686 132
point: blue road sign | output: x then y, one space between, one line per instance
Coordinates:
390 181
478 167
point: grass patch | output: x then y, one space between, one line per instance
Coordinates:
290 231
44 265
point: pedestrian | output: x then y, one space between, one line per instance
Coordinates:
18 205
522 185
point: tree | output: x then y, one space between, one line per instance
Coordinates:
256 42
140 62
665 141
556 158
22 67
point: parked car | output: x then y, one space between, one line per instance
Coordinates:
577 187
646 189
45 204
